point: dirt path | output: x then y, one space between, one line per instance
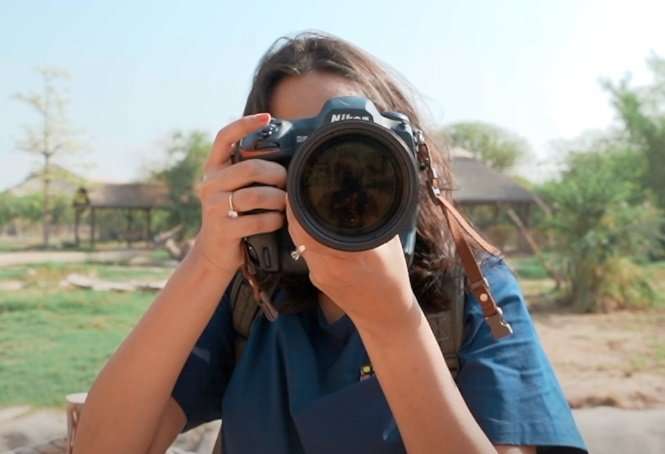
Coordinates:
613 359
25 258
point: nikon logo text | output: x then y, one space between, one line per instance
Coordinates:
347 116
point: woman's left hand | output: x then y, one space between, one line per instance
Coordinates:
372 287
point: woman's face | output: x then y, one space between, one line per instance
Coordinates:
304 96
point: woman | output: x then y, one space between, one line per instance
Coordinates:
296 388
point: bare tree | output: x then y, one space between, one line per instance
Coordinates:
52 137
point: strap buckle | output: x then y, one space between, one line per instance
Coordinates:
498 325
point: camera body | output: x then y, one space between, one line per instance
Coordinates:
352 181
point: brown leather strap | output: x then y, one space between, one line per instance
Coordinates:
468 230
456 224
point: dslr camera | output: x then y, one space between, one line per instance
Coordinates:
352 182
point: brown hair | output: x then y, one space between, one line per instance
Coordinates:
314 51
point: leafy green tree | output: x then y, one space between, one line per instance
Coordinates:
186 155
6 208
642 114
62 211
27 208
603 223
497 147
51 138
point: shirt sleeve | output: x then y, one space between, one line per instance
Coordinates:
201 384
509 384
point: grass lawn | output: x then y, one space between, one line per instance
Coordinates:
53 341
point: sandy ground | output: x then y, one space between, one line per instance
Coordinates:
613 359
606 429
25 430
30 257
615 431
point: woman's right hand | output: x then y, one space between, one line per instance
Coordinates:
219 239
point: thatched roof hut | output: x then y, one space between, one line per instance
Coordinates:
131 197
486 196
476 183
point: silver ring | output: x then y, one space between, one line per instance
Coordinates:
298 252
232 213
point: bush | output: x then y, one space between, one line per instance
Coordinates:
187 153
28 208
602 222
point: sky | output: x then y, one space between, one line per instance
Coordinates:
141 70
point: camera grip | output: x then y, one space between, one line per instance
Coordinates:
271 252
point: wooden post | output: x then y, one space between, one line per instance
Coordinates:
129 228
524 215
92 228
148 227
77 220
527 215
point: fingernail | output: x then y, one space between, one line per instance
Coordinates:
264 117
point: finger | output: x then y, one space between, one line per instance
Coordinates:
298 235
315 252
222 147
217 208
259 197
243 174
291 222
253 224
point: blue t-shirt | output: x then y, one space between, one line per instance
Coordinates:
297 387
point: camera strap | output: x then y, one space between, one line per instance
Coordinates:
458 227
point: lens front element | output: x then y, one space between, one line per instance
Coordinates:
350 185
353 186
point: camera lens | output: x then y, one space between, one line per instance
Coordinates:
350 185
353 185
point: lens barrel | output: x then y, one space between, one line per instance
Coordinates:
353 185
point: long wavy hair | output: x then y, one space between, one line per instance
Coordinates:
434 259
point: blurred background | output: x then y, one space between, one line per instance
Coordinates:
554 113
